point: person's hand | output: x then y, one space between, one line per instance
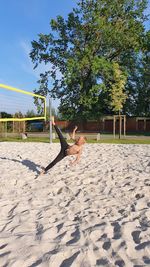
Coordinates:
71 163
76 127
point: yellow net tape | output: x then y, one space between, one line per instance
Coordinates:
9 88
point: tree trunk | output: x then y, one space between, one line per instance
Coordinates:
120 125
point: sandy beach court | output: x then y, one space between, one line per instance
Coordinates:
96 213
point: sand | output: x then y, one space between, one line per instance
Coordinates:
96 213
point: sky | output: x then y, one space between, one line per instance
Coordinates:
20 23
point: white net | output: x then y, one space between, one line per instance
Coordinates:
20 104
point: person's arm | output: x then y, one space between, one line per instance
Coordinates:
77 158
74 132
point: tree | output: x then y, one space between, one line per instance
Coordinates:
53 111
39 103
117 93
30 114
82 49
138 82
4 114
117 89
143 81
18 115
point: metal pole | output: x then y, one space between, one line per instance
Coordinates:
6 129
114 126
120 126
124 125
50 122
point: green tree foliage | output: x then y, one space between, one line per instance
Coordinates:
30 114
39 103
53 112
18 115
138 84
117 89
143 81
81 52
4 114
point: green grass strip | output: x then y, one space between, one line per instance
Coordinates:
102 141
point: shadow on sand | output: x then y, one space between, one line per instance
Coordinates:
28 163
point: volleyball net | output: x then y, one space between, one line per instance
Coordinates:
20 105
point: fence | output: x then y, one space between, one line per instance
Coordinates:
105 125
137 125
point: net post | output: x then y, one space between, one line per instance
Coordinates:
50 121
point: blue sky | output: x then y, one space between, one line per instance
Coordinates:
20 23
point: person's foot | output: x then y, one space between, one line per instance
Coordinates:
53 120
42 172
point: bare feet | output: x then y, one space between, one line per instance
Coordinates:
53 120
42 172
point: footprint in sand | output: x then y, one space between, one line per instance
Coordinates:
117 230
136 236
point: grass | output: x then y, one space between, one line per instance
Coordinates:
105 141
121 141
